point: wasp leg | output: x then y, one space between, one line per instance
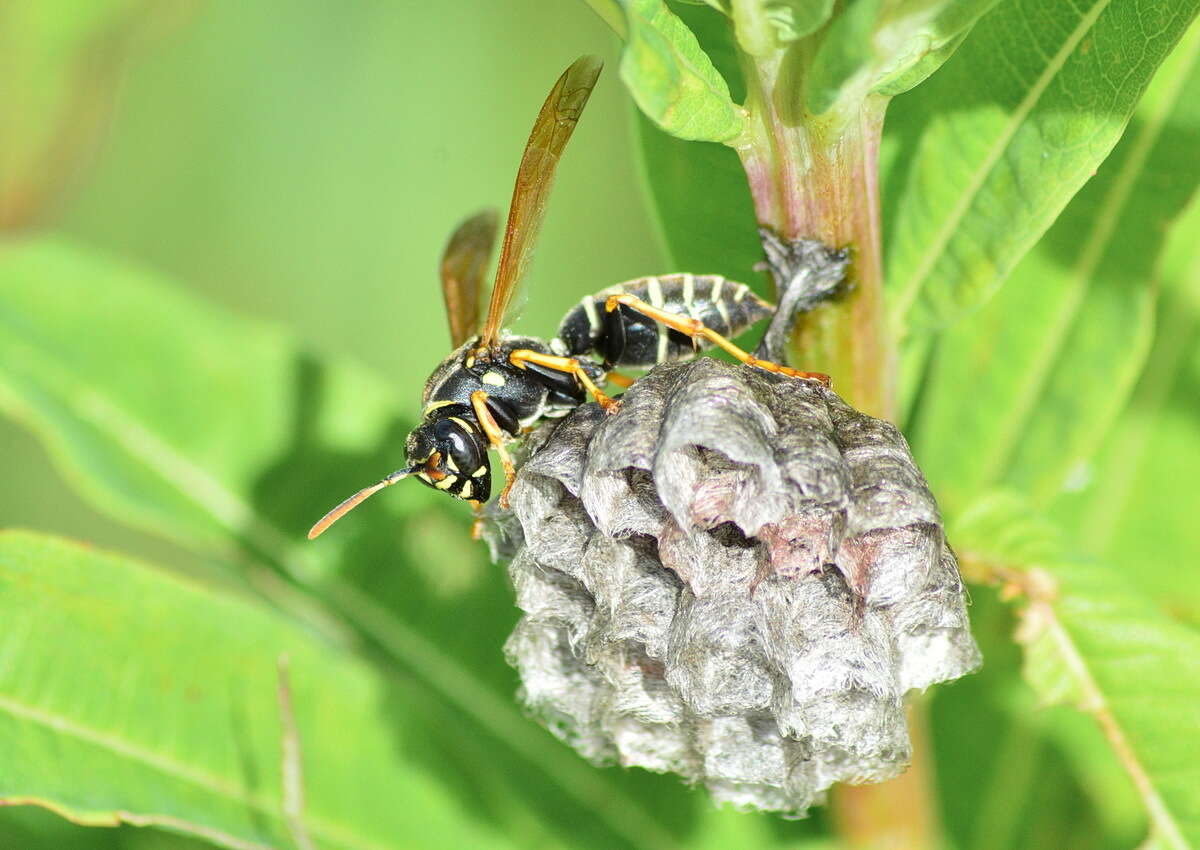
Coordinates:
623 381
477 525
696 328
496 439
563 364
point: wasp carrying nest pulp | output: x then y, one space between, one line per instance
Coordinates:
736 578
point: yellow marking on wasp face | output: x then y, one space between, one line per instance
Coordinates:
466 490
446 483
479 472
470 360
450 464
494 379
424 476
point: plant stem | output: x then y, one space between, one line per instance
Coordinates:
900 814
818 178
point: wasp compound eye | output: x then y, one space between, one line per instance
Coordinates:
737 578
459 448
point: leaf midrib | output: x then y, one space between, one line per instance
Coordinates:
1045 593
1097 705
906 294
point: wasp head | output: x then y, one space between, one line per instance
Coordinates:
449 454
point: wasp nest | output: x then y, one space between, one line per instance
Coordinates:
736 578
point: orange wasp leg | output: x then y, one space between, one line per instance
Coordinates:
623 381
496 439
696 328
477 524
563 364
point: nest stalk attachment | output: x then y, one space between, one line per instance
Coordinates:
806 273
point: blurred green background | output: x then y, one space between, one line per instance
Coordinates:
303 163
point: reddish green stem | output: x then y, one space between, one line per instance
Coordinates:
818 178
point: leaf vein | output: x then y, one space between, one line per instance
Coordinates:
907 293
176 769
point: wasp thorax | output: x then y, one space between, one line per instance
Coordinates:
449 453
737 577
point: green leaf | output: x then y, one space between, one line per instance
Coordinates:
1093 640
918 38
1050 361
61 65
144 421
794 19
885 48
672 79
912 71
765 25
699 192
999 141
127 695
611 13
36 828
842 66
1016 774
707 225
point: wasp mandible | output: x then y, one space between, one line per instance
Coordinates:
496 385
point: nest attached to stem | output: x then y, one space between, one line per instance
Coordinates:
736 578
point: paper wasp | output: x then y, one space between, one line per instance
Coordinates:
496 386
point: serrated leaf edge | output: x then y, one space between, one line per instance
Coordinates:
720 92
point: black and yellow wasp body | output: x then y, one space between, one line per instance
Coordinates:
626 337
520 396
495 385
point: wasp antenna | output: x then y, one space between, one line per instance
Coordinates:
350 504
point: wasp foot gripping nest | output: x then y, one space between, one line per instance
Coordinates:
736 578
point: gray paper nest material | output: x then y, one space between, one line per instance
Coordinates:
735 578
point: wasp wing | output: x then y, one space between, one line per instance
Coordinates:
553 127
463 264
